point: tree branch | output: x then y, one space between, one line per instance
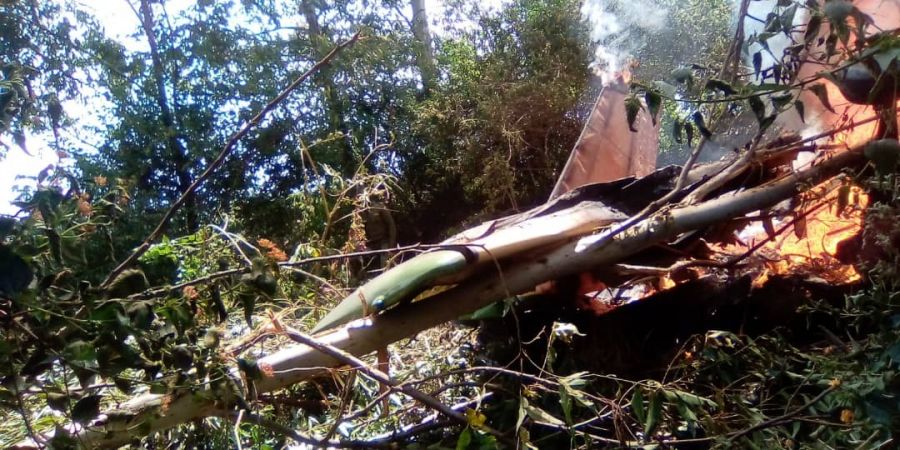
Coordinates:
226 150
291 365
381 377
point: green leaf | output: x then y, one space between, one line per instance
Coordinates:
654 101
763 38
80 350
837 10
654 413
540 415
637 405
801 110
250 368
782 100
182 357
812 28
787 18
676 130
768 88
701 125
15 274
248 302
212 338
884 154
215 300
665 89
767 122
520 417
689 398
465 438
131 281
720 85
55 244
62 440
886 58
7 226
86 409
58 401
682 74
565 401
685 412
773 24
632 107
758 108
821 93
484 441
37 363
757 63
140 314
893 352
525 439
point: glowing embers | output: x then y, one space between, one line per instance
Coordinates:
805 240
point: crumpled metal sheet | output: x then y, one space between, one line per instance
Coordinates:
607 150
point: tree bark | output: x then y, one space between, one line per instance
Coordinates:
150 413
174 144
423 46
333 99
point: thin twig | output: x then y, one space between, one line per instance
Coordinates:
777 420
283 430
732 171
226 150
381 377
345 399
234 243
237 429
38 439
165 290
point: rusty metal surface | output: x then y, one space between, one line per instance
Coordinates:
607 150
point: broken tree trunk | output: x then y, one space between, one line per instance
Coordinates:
150 413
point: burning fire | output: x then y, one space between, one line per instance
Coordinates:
804 239
810 244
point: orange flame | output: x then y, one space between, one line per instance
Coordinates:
812 243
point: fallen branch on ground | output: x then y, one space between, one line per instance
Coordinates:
150 413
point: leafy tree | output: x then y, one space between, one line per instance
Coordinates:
41 69
497 131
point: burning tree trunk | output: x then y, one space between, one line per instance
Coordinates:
149 413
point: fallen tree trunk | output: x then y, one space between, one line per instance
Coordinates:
150 413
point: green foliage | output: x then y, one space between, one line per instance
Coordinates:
498 130
491 135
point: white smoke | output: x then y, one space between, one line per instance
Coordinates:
615 29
